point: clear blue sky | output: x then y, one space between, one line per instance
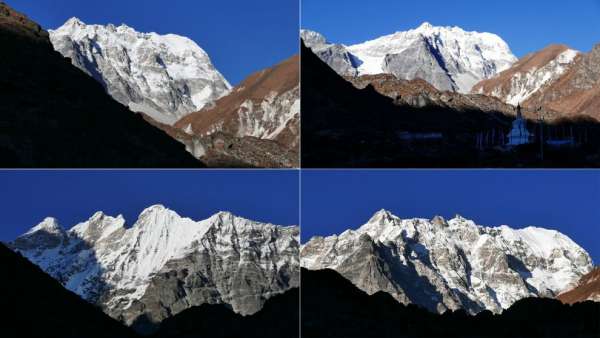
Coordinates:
240 36
27 197
526 26
567 201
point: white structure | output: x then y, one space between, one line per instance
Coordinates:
519 134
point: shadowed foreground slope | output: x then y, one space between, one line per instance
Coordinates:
39 306
333 307
277 319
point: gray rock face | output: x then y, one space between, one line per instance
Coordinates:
447 265
163 76
420 61
335 55
165 264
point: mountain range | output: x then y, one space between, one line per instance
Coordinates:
454 264
164 263
41 307
556 81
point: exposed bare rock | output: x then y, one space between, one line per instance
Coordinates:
577 91
419 93
529 75
588 288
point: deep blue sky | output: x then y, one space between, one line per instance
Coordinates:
240 36
27 197
526 26
333 201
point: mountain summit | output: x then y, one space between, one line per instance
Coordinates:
164 263
163 76
447 57
447 265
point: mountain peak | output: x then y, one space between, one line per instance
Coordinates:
153 210
382 217
74 21
425 25
49 225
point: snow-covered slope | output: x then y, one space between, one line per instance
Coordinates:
452 264
529 75
163 76
166 263
447 57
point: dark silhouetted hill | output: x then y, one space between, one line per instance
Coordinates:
279 318
333 307
36 305
54 115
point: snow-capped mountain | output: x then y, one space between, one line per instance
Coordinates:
166 263
528 75
441 265
163 76
447 57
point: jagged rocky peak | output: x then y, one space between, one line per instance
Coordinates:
98 227
383 217
163 76
457 264
155 268
312 39
74 21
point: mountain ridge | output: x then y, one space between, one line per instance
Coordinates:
457 263
165 263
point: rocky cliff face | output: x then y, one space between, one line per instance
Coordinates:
447 265
577 91
164 76
529 75
165 263
447 57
